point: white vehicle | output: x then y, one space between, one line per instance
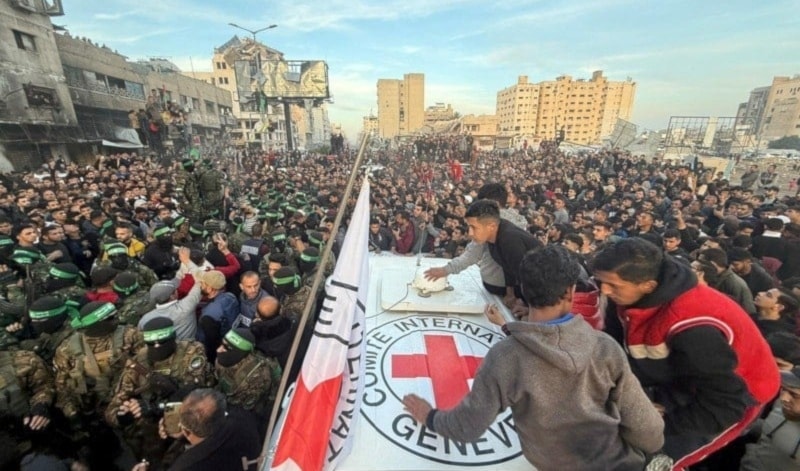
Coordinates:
429 342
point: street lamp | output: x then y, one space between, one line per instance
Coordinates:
253 32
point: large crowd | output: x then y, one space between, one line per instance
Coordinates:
143 299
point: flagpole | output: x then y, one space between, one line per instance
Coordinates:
312 299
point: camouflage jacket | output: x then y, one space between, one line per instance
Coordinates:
39 272
250 384
25 382
143 380
72 295
145 275
132 308
45 345
84 379
292 305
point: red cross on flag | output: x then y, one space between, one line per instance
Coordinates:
317 430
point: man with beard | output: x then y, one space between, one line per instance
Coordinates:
162 371
248 379
117 256
51 244
252 294
124 234
159 255
216 317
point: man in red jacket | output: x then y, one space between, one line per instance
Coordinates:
697 353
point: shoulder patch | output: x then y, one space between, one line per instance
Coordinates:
197 362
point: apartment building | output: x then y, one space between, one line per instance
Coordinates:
401 105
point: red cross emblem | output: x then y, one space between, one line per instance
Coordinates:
449 372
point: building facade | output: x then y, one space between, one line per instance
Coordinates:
781 115
106 87
586 110
483 129
37 117
401 105
439 112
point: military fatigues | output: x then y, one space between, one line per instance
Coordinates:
250 384
86 368
25 384
156 383
211 192
191 194
293 304
133 307
145 275
72 296
39 272
45 344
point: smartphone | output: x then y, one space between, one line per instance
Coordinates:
172 417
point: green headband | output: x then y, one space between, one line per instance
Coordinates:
102 313
161 231
314 240
116 249
196 231
126 291
179 221
286 280
278 237
238 341
26 257
6 241
272 214
64 275
47 314
107 223
308 258
153 336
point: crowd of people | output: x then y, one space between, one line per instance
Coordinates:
145 302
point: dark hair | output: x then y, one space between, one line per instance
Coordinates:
716 256
634 259
739 254
495 192
483 209
575 239
203 419
710 274
546 274
773 224
672 234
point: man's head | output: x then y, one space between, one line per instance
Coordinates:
716 257
790 394
548 276
483 220
202 414
671 240
52 234
250 284
495 192
235 346
211 282
160 338
741 260
123 233
628 270
26 234
601 230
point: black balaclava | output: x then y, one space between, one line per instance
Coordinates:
159 336
286 281
96 319
61 275
47 314
308 260
237 344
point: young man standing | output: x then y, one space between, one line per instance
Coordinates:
552 356
699 355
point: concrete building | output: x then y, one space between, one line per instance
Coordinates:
586 110
37 118
483 129
105 87
782 111
439 112
369 124
401 105
261 123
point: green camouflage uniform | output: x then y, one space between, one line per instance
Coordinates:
133 307
293 304
210 185
72 296
25 383
154 384
145 275
192 205
45 344
84 379
250 384
39 272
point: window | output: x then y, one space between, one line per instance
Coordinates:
25 41
41 96
210 107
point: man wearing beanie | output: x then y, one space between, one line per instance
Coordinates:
291 292
162 371
134 302
87 364
64 281
102 289
247 378
181 311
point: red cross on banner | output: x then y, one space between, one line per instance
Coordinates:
449 372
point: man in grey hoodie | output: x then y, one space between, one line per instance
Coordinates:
575 402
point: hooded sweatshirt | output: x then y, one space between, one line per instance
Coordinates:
575 402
